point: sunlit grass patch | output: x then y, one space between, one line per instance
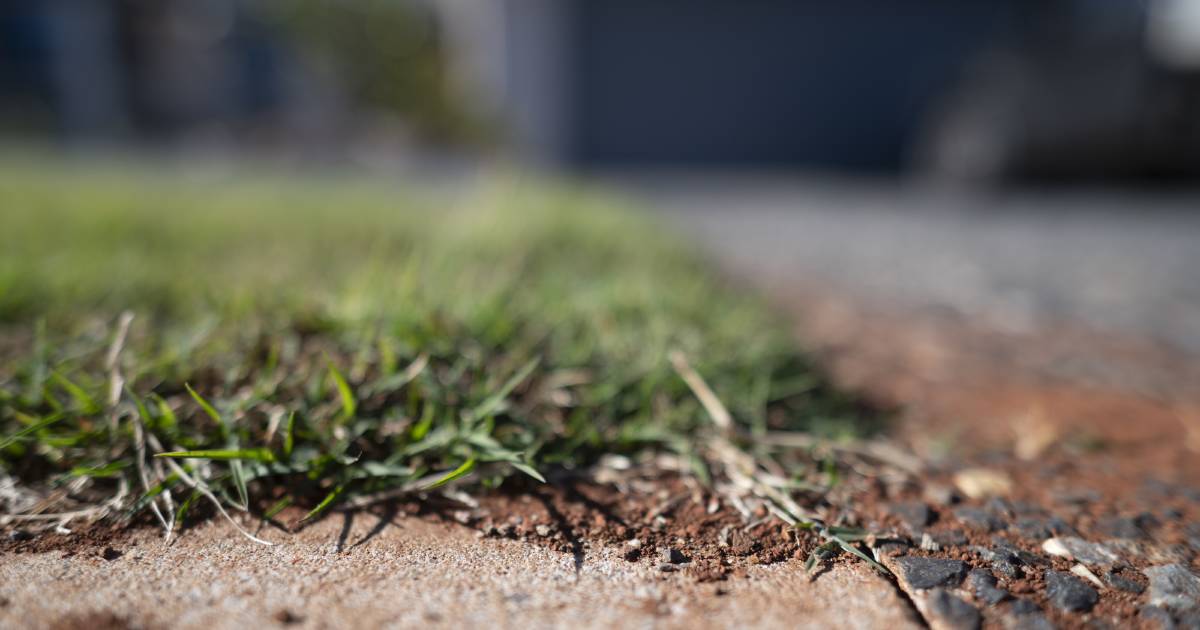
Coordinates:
258 339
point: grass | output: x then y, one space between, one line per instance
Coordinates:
254 340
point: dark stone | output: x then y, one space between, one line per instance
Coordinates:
673 555
1123 583
1133 527
110 554
1041 528
913 514
978 518
1069 593
984 586
1005 549
952 611
20 535
1060 527
1007 568
1034 528
999 507
949 538
1024 607
930 572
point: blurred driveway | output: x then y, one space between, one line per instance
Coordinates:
1123 262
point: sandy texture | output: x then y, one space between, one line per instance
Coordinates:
413 573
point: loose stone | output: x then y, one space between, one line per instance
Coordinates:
1069 593
1173 586
1121 583
984 586
952 611
978 518
925 573
914 514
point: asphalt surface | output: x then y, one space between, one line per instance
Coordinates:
1117 261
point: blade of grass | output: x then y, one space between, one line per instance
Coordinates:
325 503
289 437
87 404
529 470
38 425
255 454
462 470
349 405
493 401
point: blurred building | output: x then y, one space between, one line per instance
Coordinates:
119 70
979 90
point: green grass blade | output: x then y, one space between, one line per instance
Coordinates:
529 470
38 425
254 454
349 404
462 470
204 405
87 404
849 548
326 502
289 436
239 483
492 402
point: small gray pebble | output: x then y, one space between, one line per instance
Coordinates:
950 538
984 586
1132 527
1123 583
1069 593
930 572
914 514
952 611
978 518
673 556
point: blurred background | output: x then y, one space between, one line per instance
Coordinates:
796 138
981 91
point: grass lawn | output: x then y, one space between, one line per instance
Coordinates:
312 341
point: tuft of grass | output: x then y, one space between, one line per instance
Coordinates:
312 340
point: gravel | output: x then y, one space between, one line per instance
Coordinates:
1069 593
953 612
1123 583
1131 527
914 514
1173 586
923 573
979 518
1082 551
984 586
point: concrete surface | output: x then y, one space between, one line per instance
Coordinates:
416 573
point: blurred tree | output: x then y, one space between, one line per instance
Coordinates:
389 55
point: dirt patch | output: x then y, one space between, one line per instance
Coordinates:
95 539
1077 434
